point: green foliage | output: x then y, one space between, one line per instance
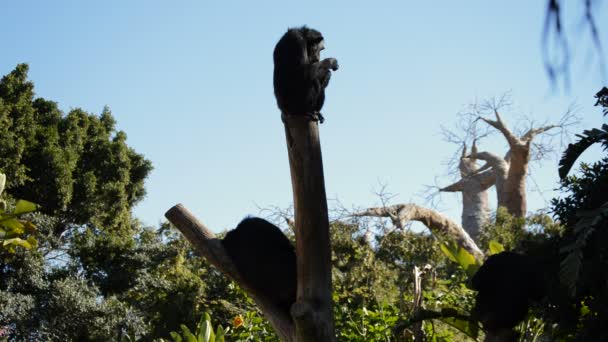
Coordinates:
360 278
461 256
505 229
365 324
77 167
85 178
583 252
574 151
586 139
251 327
495 248
12 228
203 333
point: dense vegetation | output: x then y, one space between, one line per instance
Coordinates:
82 268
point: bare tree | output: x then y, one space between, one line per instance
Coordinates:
473 185
512 170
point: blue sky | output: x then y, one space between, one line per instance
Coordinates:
190 82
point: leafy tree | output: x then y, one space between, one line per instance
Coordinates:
584 213
86 179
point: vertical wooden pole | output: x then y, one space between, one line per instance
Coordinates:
312 312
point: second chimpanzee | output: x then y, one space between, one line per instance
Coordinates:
300 76
265 258
506 284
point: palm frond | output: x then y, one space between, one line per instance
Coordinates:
574 151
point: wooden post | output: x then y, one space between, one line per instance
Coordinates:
312 312
206 244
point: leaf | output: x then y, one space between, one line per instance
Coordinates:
467 261
574 151
32 241
175 336
2 182
496 247
17 242
219 334
13 225
200 327
23 207
187 334
466 327
204 329
449 251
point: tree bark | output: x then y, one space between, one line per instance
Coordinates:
312 312
207 245
401 214
512 196
473 185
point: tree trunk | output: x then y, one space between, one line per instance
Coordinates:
473 185
515 184
512 192
312 312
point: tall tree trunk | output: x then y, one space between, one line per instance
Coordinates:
512 194
312 312
473 185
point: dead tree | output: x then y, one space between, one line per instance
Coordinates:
401 214
473 185
512 170
312 312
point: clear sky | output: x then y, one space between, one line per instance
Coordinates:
190 82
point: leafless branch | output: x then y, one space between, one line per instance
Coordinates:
400 214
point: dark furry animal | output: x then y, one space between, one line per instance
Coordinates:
506 283
300 76
265 258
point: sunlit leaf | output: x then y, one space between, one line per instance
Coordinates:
496 247
17 242
219 334
467 261
2 182
23 207
449 251
13 225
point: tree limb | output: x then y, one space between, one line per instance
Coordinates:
436 222
502 127
210 247
536 131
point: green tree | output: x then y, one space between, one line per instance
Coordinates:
584 253
86 179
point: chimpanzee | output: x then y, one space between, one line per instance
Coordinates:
265 258
505 285
300 76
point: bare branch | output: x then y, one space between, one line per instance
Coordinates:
454 187
436 222
204 242
500 125
533 132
